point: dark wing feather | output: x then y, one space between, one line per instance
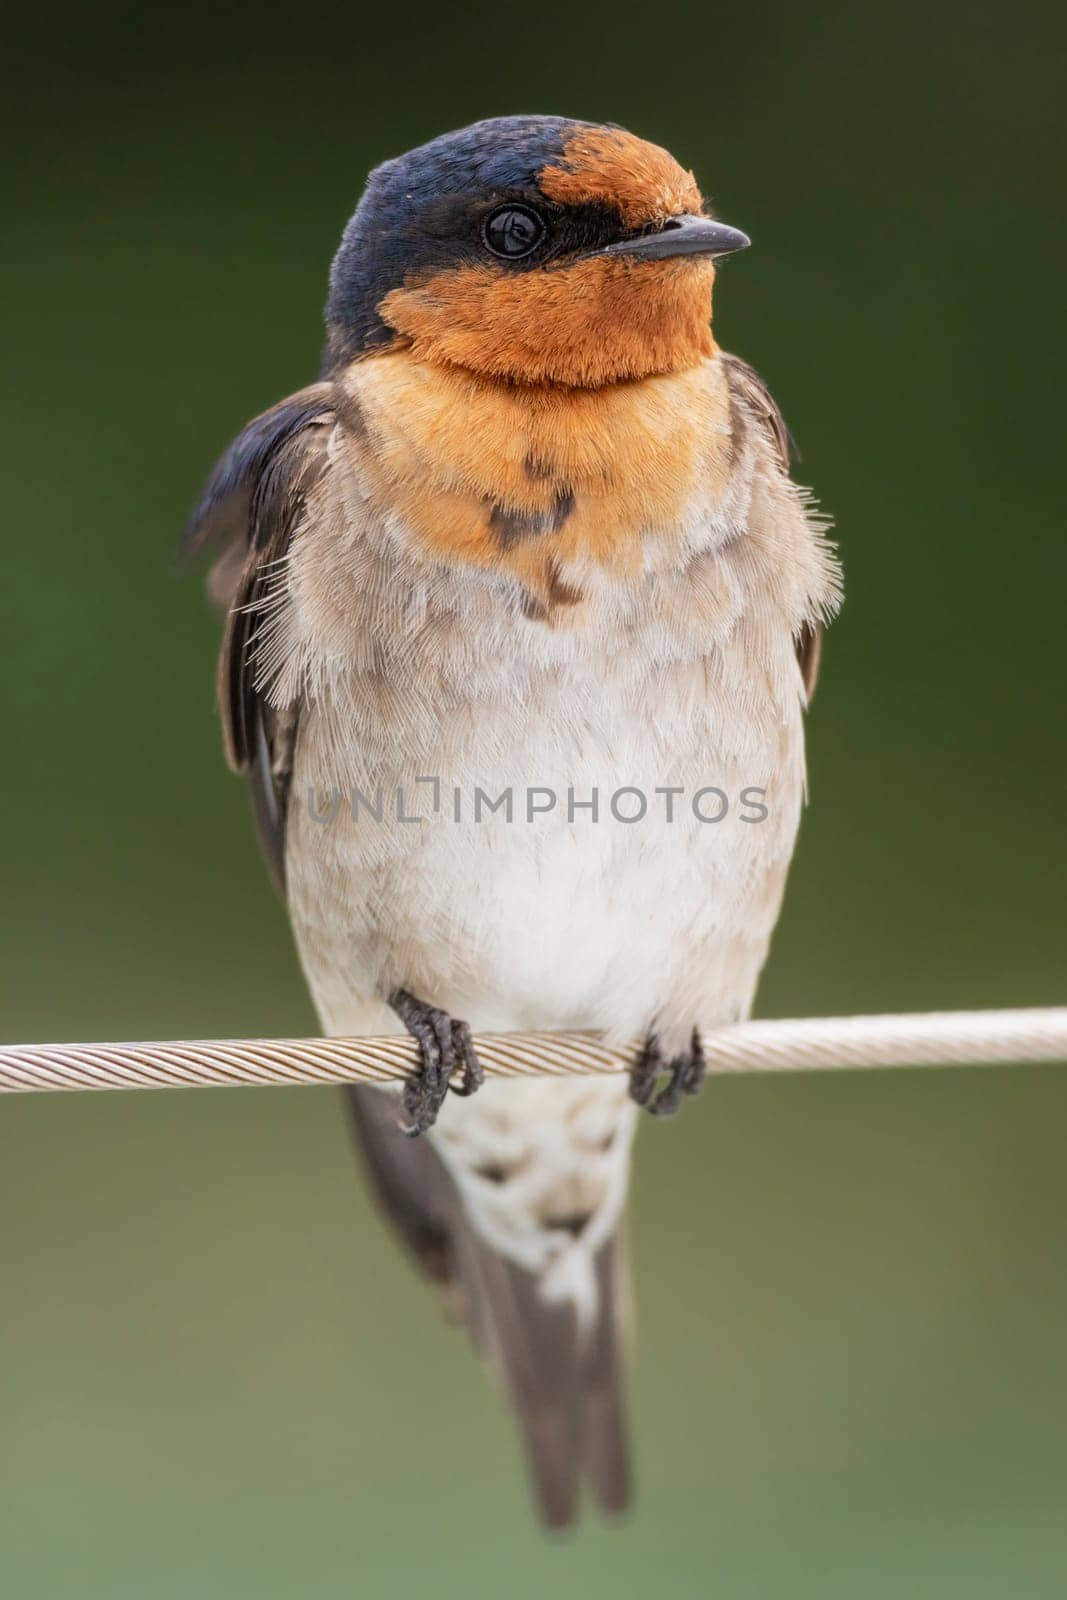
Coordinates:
408 1181
249 508
223 514
747 385
809 654
746 382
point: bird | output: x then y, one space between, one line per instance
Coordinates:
523 616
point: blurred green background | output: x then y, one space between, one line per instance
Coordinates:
217 1377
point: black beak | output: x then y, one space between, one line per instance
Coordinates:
682 236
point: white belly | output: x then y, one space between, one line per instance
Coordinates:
554 918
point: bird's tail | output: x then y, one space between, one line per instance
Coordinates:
563 1370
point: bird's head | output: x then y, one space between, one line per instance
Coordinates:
533 250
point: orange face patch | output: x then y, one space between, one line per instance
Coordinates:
615 168
594 322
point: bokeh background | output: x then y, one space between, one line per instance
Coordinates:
217 1377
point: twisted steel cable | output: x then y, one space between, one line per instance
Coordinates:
815 1044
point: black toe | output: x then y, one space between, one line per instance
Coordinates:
644 1072
466 1055
443 1044
685 1074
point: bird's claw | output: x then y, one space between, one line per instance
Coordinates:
685 1074
444 1043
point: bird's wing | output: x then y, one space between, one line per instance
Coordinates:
249 512
250 507
247 515
749 389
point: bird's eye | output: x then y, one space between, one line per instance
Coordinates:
513 231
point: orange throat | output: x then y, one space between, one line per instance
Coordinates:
542 483
595 322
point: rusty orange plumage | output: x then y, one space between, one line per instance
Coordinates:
609 165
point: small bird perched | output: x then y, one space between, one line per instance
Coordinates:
524 612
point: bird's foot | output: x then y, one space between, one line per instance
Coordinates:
444 1043
685 1074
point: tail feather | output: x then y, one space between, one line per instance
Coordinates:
564 1380
605 1440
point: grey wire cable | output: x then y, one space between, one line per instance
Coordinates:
815 1044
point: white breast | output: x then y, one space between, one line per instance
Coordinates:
556 917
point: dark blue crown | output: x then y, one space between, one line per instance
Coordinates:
413 211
